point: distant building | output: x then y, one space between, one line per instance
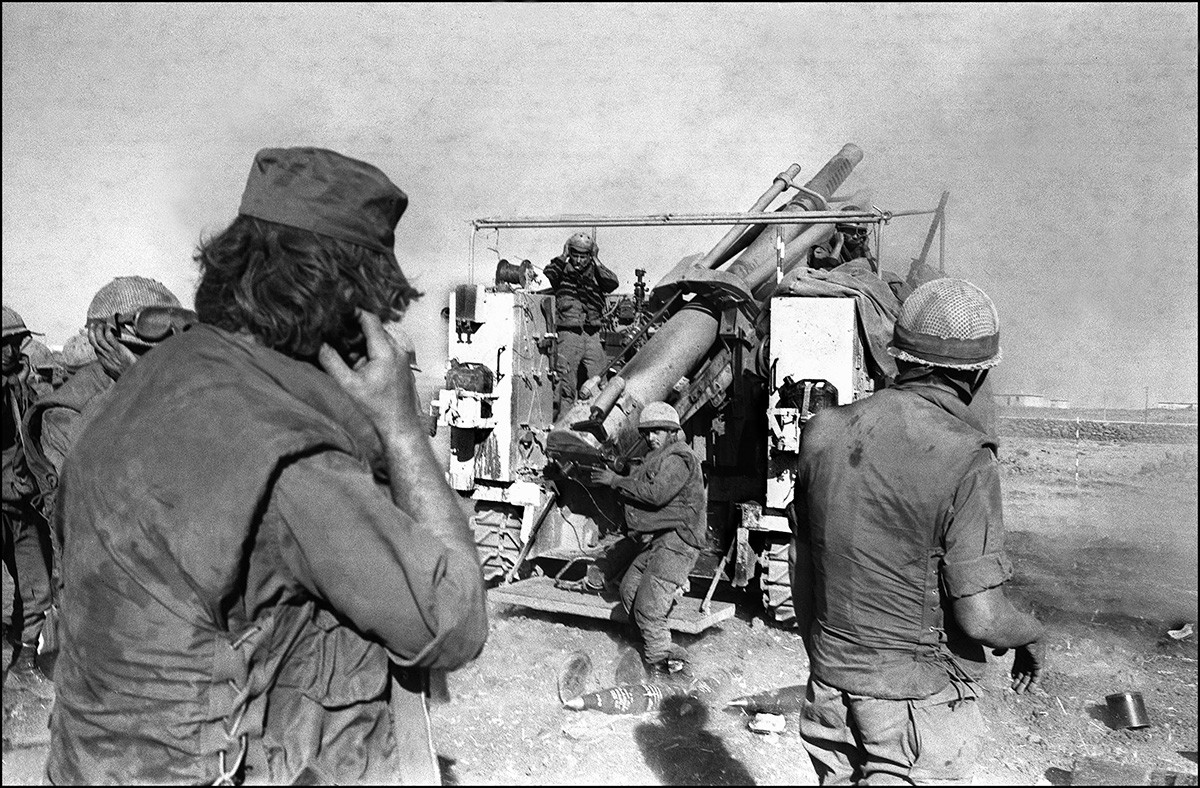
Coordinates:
1176 406
1060 403
1022 400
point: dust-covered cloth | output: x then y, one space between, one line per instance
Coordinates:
240 585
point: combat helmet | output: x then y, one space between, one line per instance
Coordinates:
127 295
14 324
658 416
948 323
581 243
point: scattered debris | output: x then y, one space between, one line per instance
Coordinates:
767 723
1182 633
572 682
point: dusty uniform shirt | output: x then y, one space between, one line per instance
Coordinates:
666 492
579 292
239 581
898 496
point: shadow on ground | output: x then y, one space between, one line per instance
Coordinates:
681 752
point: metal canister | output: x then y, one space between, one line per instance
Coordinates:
1128 709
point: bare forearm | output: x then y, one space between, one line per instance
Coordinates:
990 618
418 486
1012 630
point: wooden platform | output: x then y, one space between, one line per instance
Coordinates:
539 593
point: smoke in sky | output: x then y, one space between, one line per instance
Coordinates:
1065 134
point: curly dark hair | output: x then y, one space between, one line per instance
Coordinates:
294 289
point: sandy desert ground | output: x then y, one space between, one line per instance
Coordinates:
1108 561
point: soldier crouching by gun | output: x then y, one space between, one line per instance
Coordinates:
665 504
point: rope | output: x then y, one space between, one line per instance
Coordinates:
228 776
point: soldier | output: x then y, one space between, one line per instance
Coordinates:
899 557
665 510
25 547
55 420
579 282
263 558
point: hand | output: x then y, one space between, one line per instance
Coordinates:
382 383
603 477
1028 663
114 357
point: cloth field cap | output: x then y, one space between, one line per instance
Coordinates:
658 416
129 294
327 193
14 324
948 323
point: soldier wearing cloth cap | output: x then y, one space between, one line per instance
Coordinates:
665 509
899 560
262 559
26 547
579 282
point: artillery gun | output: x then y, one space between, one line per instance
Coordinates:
782 317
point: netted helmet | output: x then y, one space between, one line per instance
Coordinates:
658 416
39 354
948 323
14 324
128 294
77 352
580 243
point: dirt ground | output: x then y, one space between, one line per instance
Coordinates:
1104 540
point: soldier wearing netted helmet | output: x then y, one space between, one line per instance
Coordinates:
125 318
579 282
665 510
899 561
26 576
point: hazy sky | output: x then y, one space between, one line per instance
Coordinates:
1066 134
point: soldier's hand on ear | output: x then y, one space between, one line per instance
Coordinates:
114 357
384 385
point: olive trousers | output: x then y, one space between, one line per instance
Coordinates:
856 739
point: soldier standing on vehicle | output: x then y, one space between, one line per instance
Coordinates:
26 553
665 510
579 282
262 557
899 561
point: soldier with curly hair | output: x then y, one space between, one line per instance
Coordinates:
262 559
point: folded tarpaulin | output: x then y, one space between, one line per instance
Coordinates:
878 303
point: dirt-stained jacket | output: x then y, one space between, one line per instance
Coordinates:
579 292
240 586
666 492
898 497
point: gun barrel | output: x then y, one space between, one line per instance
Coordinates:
688 335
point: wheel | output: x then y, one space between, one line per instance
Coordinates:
497 531
776 583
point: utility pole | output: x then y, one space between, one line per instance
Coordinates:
1146 412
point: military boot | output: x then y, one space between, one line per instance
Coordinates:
674 666
27 674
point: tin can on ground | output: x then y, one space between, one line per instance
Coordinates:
1128 709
